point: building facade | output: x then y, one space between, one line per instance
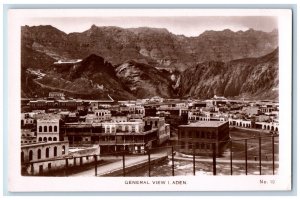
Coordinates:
200 136
48 130
41 157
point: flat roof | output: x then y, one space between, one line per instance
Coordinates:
205 124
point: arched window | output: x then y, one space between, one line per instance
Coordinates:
63 150
30 155
22 156
40 139
47 152
54 139
45 139
50 128
40 129
39 154
55 151
49 138
55 128
45 128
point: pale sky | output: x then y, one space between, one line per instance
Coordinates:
179 25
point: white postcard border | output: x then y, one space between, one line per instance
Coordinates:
198 183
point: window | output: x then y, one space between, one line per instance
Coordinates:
182 144
55 151
47 152
63 150
39 154
155 123
208 135
50 128
45 128
190 134
40 139
202 146
190 145
213 135
55 128
22 156
40 129
197 145
182 134
54 139
207 146
49 138
202 134
198 134
45 139
113 129
41 169
49 165
30 155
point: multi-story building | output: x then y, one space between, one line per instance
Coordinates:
105 114
200 136
163 129
27 121
126 137
48 128
28 136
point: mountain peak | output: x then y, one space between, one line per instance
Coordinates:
43 28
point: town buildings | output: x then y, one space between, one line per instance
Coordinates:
50 127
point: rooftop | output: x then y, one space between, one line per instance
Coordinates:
47 117
205 124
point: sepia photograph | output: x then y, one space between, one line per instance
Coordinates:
151 98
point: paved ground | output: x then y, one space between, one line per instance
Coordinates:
129 161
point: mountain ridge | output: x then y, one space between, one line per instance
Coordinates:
155 46
145 62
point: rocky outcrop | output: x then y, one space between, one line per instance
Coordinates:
251 77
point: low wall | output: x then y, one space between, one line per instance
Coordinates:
47 167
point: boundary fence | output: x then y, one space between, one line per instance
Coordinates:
70 163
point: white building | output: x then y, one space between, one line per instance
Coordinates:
48 129
114 127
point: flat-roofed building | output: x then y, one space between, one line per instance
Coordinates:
41 157
202 135
48 128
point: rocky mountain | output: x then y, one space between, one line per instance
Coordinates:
154 46
145 62
93 77
249 77
144 80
